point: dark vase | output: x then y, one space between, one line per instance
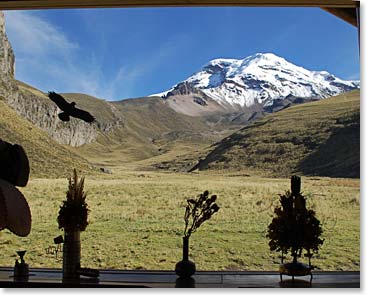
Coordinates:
71 255
185 268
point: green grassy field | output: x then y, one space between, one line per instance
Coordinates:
136 221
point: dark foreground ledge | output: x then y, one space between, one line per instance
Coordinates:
43 278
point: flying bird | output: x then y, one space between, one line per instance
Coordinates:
69 109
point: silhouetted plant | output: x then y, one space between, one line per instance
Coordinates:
198 211
73 214
294 228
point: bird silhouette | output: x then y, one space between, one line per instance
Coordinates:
69 109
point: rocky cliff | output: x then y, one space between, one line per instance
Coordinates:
7 85
6 51
34 105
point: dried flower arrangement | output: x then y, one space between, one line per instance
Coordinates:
73 214
198 211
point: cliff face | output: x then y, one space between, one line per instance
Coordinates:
34 105
6 51
6 62
43 114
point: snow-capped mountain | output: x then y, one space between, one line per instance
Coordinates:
263 79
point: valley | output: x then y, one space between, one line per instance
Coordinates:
136 217
238 128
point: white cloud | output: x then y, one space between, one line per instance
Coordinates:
47 59
34 36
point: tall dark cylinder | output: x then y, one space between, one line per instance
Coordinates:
71 255
295 185
185 249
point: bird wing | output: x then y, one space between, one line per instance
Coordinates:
59 100
84 115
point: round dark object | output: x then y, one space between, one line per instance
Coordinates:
14 164
185 269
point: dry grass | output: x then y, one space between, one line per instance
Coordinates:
136 221
317 138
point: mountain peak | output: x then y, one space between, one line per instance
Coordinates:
255 59
261 79
267 56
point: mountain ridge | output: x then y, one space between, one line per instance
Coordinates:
232 85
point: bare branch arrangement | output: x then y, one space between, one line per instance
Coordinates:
198 211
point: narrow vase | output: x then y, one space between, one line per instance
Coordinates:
185 268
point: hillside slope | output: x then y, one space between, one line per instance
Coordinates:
47 158
318 138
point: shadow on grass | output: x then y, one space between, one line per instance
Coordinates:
339 156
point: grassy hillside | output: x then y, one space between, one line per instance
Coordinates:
149 128
317 138
28 88
102 110
47 158
126 131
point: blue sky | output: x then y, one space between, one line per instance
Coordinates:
122 53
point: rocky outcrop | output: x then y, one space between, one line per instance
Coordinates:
35 106
184 88
6 51
43 114
7 85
